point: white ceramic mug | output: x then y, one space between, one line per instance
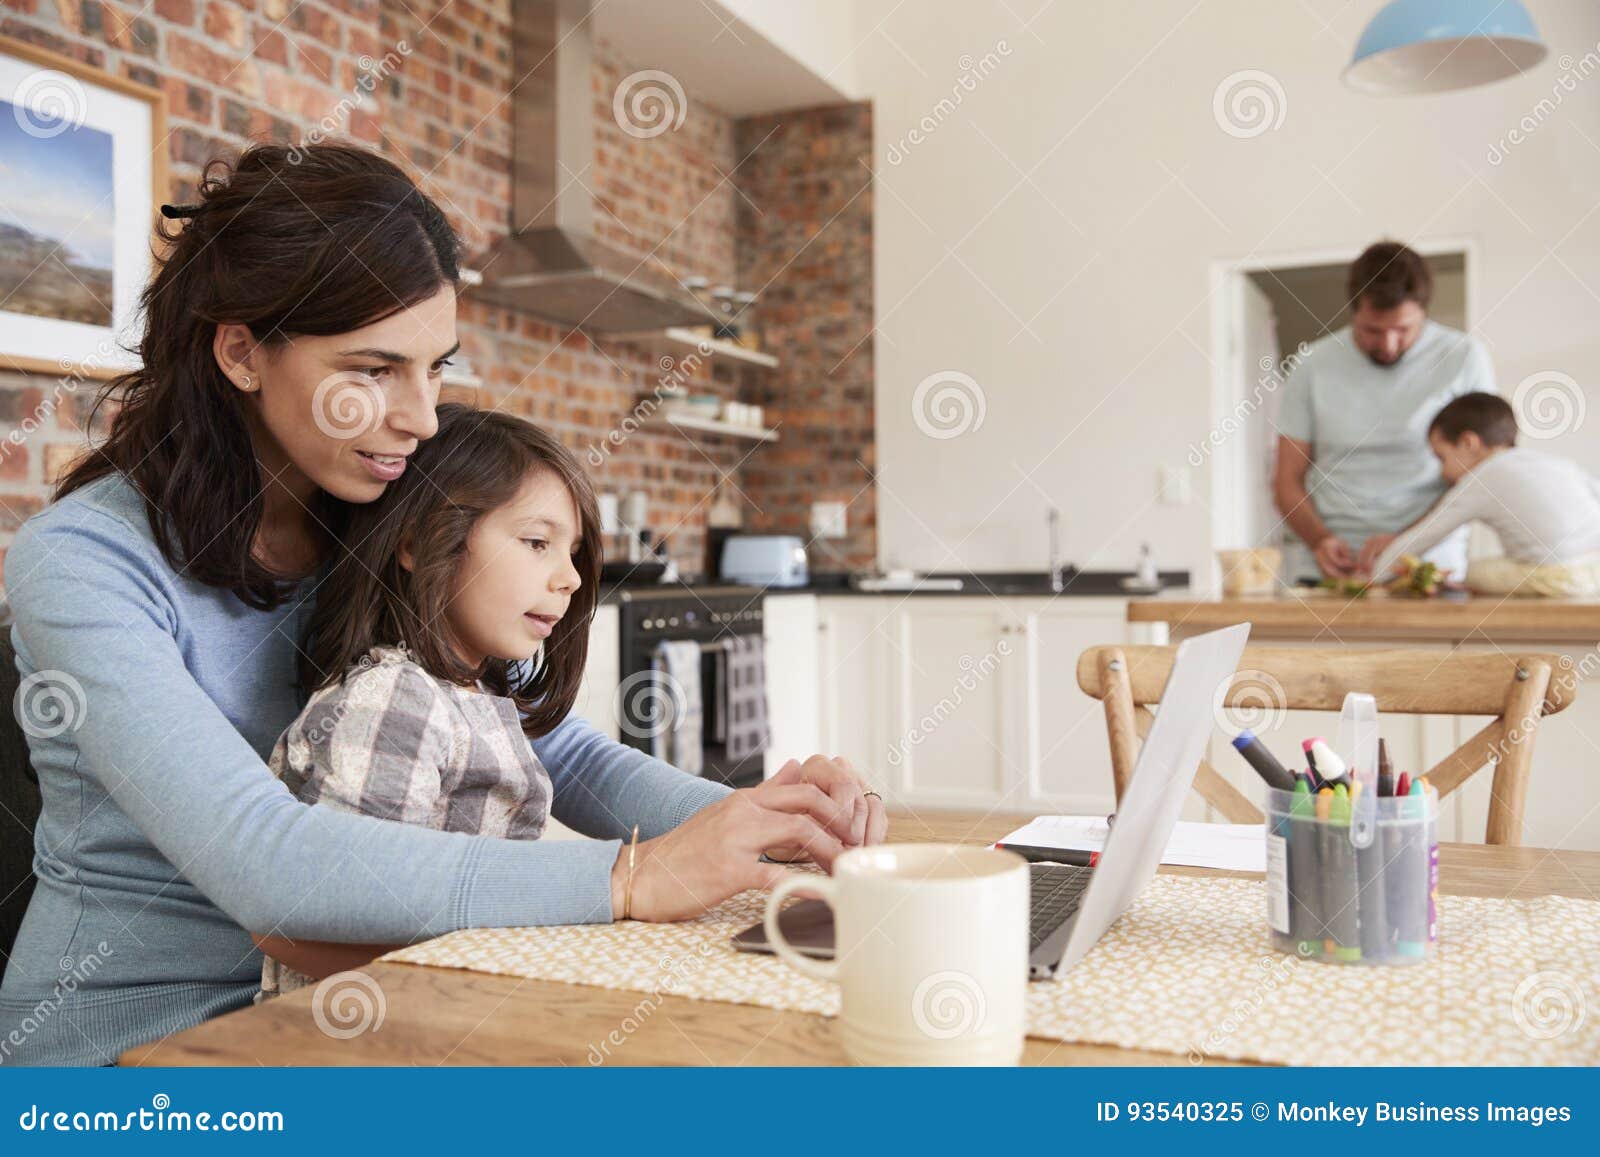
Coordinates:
931 952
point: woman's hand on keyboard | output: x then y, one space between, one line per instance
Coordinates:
813 810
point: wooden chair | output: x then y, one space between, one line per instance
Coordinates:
1517 689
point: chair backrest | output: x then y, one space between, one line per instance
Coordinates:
19 806
1518 690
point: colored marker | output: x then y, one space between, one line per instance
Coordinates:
1412 918
1305 881
1373 883
1266 765
1385 770
1330 768
1433 861
1037 855
1325 856
1341 871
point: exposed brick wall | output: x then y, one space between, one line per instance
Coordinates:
283 70
805 232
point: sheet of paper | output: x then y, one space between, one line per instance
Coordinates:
1239 847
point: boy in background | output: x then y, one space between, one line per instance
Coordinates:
1545 510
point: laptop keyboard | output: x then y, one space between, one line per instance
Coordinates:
1057 892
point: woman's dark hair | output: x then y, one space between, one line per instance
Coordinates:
317 240
1387 275
476 463
1487 415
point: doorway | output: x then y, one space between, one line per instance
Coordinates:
1265 315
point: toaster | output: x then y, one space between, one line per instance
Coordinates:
764 560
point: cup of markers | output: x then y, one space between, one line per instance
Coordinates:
1341 889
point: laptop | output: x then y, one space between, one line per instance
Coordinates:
1073 906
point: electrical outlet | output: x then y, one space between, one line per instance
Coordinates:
1174 486
828 520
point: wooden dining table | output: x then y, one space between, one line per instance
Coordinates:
447 1016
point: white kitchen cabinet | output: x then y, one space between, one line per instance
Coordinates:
965 701
790 639
1068 757
1563 809
853 697
957 673
602 673
597 693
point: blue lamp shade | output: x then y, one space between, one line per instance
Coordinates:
1420 46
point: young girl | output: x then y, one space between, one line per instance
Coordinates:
478 565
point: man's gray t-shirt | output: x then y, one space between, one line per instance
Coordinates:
1372 471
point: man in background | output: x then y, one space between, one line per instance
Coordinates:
1353 457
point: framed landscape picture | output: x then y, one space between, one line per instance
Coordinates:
82 171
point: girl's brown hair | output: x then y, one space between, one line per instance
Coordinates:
476 463
317 240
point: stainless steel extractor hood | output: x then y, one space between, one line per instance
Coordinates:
552 265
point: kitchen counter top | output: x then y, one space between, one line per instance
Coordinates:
1009 584
1004 584
1327 616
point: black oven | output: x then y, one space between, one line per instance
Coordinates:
650 615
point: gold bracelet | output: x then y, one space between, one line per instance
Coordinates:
627 896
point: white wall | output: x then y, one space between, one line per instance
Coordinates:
820 34
1051 238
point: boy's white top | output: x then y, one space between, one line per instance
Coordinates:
1544 509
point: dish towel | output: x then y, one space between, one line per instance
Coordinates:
745 706
716 707
674 716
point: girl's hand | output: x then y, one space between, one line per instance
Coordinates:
811 808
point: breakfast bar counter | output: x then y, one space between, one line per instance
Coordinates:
1333 618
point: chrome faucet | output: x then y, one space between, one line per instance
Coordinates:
1053 518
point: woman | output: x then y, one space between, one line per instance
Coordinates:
295 338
